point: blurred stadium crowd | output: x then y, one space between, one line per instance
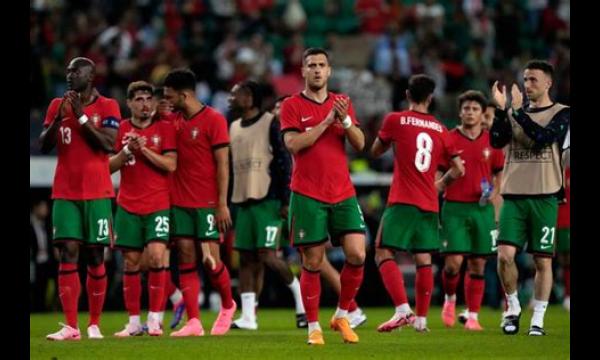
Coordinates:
375 45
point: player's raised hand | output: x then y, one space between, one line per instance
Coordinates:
64 108
330 117
499 95
75 102
223 218
164 107
136 142
341 107
517 97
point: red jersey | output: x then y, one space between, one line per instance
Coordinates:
564 209
420 143
194 183
144 187
82 172
321 170
480 160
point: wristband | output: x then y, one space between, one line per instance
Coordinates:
347 122
82 119
126 150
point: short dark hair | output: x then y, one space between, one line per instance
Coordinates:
139 86
542 65
314 51
254 88
181 79
420 87
473 95
159 92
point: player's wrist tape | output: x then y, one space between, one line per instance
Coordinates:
347 122
82 119
126 150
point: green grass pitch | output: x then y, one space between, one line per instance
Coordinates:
277 338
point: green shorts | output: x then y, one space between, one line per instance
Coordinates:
563 242
311 222
258 225
530 222
134 231
198 223
408 228
89 221
468 229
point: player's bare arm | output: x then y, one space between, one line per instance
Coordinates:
496 180
457 169
355 135
103 138
165 162
296 142
379 147
222 215
48 135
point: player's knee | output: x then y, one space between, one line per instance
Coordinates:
267 257
451 268
312 263
95 256
356 257
155 260
381 257
505 258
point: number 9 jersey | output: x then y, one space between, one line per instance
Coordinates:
421 143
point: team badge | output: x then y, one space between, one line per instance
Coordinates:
194 133
155 140
96 119
486 153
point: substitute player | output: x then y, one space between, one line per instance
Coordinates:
533 177
83 125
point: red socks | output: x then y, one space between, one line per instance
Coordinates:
450 282
467 287
69 288
169 288
96 291
219 278
350 278
423 289
132 291
474 289
353 306
190 288
156 289
393 281
310 286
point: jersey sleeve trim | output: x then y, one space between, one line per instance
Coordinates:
218 146
290 129
168 150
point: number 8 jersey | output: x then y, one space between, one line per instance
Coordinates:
421 143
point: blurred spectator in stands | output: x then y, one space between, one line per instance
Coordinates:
374 15
391 59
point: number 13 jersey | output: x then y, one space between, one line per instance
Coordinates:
421 143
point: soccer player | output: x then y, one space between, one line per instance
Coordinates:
410 220
315 124
145 153
533 177
488 116
467 214
261 176
83 125
563 241
356 317
199 199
